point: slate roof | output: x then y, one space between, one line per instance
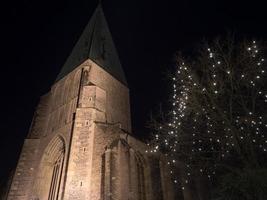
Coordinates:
95 43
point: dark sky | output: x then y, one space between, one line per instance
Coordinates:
37 37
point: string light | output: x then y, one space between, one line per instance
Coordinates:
202 123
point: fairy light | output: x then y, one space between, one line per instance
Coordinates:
197 128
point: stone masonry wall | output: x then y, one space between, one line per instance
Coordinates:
90 110
22 180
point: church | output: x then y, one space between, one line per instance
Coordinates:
80 145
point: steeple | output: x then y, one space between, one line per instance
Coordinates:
96 44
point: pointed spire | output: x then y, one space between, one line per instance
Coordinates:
95 43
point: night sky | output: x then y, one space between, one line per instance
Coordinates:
37 37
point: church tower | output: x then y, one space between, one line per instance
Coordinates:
80 145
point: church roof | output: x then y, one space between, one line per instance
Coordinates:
95 43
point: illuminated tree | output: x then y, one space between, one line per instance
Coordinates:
218 116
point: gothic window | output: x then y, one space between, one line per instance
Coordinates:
56 177
124 173
85 80
141 177
48 185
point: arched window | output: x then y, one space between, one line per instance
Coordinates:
56 177
49 179
123 173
